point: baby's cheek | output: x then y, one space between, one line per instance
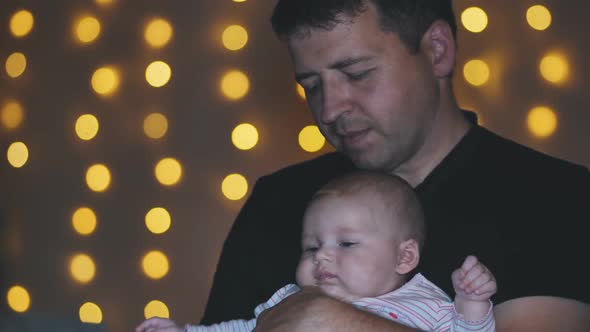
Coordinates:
305 273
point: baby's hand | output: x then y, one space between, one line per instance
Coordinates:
156 324
473 281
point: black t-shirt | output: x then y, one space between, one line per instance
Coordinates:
522 213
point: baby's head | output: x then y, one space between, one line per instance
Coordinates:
362 235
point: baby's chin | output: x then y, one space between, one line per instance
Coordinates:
339 294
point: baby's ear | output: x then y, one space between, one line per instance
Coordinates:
408 256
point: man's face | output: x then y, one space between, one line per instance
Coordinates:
350 247
371 98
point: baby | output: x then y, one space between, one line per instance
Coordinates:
362 235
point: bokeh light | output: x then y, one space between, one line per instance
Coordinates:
158 73
84 221
235 84
18 299
234 37
104 2
538 17
155 126
311 139
245 136
105 81
542 121
98 178
156 308
158 32
86 127
16 64
87 29
301 91
474 19
234 187
476 72
554 68
12 115
17 154
168 171
155 264
21 23
158 220
90 313
82 268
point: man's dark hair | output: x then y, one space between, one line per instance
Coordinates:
408 18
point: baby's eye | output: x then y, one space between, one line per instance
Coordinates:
310 249
347 244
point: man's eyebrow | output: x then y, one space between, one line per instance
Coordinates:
337 65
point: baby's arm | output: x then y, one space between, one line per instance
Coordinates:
474 286
157 324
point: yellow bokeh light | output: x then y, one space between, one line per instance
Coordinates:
12 115
168 171
311 139
158 32
98 178
156 309
476 72
542 121
86 127
554 68
105 81
235 85
18 299
104 2
234 187
90 313
245 136
301 91
16 64
21 23
538 17
234 37
158 73
158 220
155 125
155 264
84 221
474 19
239 0
17 154
82 268
87 29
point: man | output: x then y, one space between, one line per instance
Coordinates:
377 76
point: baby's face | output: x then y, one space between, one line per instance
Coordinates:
350 247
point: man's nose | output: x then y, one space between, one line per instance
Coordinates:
335 101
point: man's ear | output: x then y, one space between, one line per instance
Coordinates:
408 256
439 45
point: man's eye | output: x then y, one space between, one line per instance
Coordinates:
347 244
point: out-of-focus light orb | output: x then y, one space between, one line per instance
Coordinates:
87 127
158 33
474 19
17 154
104 2
235 84
156 308
168 171
542 121
239 0
301 91
87 29
16 64
90 313
18 299
476 72
155 264
158 73
21 23
158 220
105 81
311 139
234 187
554 68
234 37
82 268
12 115
84 221
538 17
245 136
155 126
98 178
